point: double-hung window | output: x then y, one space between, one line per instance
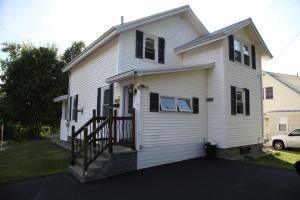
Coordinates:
150 48
237 51
269 92
239 102
167 103
246 55
184 105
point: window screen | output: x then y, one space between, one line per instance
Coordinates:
167 103
184 105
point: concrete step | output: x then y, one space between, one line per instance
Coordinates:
77 171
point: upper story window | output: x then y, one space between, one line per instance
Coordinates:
241 52
237 51
269 92
150 48
246 55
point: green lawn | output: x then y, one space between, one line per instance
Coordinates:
30 159
281 159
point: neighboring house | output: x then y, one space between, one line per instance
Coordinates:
187 85
281 103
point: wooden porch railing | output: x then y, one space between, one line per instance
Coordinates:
99 134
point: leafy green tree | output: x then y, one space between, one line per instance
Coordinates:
74 50
31 78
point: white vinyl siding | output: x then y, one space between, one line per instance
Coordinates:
212 53
173 136
89 75
283 97
242 129
176 30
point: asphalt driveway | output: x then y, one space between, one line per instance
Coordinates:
193 179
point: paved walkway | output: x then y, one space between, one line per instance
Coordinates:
193 179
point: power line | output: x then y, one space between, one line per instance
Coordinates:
288 45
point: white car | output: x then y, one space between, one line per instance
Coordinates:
291 139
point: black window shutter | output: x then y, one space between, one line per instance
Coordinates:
154 102
161 50
75 108
139 44
233 100
99 102
111 94
253 57
70 109
247 101
195 102
231 47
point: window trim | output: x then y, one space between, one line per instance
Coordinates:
240 49
243 101
191 107
266 93
249 54
242 44
167 110
286 124
155 47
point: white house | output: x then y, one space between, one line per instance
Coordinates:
187 85
281 103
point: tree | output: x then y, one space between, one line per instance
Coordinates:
73 51
31 78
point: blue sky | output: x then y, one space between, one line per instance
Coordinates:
63 21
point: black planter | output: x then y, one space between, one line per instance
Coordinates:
211 150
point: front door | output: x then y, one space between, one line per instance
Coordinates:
128 100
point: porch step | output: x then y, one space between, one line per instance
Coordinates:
122 160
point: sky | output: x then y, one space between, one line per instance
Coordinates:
43 22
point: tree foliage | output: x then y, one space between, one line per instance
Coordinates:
73 51
31 79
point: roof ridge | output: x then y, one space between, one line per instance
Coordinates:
277 73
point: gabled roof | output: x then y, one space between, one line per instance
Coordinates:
290 81
222 33
160 70
115 30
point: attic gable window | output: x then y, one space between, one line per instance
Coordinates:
237 51
150 48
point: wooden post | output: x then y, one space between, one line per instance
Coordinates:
110 115
115 126
133 129
94 127
110 121
73 145
85 149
